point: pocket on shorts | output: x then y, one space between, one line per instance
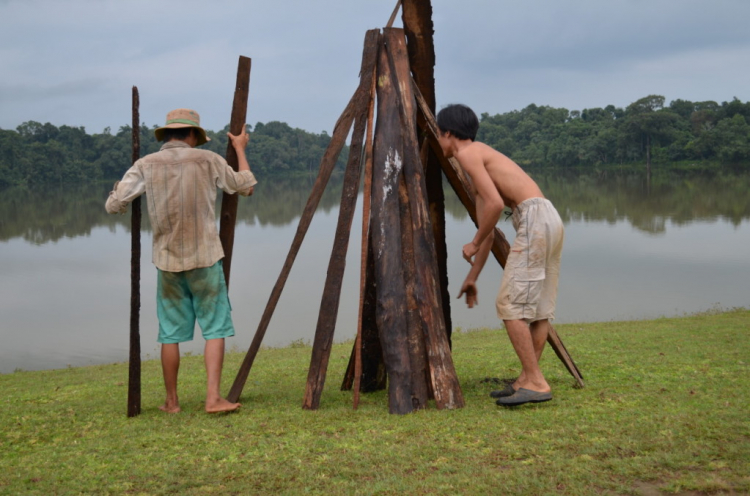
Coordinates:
527 285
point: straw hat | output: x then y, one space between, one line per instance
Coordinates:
183 118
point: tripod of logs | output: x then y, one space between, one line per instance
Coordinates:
403 333
402 337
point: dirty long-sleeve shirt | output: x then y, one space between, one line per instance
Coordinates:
180 183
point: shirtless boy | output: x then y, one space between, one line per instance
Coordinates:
526 301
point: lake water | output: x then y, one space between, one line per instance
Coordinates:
634 249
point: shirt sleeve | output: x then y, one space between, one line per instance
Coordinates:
131 186
231 181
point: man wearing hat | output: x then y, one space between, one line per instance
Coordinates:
180 184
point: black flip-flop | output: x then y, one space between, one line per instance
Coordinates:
502 393
524 396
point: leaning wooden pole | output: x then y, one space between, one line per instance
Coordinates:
134 367
327 163
366 203
418 28
391 297
228 217
332 289
427 289
500 245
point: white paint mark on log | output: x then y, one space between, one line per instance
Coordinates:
392 168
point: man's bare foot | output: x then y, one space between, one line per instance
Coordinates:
170 407
221 405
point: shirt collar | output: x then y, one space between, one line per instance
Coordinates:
174 144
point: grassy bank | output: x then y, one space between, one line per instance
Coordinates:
665 409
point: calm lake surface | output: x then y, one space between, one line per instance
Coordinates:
634 249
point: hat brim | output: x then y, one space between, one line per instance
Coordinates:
202 138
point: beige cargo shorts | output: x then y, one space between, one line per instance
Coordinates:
529 287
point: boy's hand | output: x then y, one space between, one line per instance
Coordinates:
240 141
469 288
469 250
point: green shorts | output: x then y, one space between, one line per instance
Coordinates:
184 297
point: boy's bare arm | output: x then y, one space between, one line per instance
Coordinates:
469 286
486 194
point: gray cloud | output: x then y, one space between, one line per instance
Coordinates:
75 62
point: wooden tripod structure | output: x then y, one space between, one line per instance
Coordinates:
404 317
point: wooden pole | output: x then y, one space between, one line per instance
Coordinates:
134 367
327 163
373 376
418 28
228 217
442 372
414 332
391 310
500 245
364 250
332 289
393 14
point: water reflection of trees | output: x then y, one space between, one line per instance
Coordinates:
40 216
613 195
52 213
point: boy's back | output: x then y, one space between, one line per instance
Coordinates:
513 184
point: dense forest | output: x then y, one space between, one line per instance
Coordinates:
646 131
37 153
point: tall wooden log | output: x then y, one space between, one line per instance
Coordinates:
442 372
415 333
365 244
332 289
134 361
373 376
327 164
500 246
418 27
391 292
228 217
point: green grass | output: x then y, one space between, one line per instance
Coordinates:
666 409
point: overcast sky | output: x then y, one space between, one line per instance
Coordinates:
74 62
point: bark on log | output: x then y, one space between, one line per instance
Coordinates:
415 333
373 376
228 217
327 163
134 361
391 291
332 289
443 375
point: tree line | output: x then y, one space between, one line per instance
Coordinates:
36 153
645 131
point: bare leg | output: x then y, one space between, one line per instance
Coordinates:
539 332
214 357
531 376
170 366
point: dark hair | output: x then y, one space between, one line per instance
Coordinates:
179 133
460 120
